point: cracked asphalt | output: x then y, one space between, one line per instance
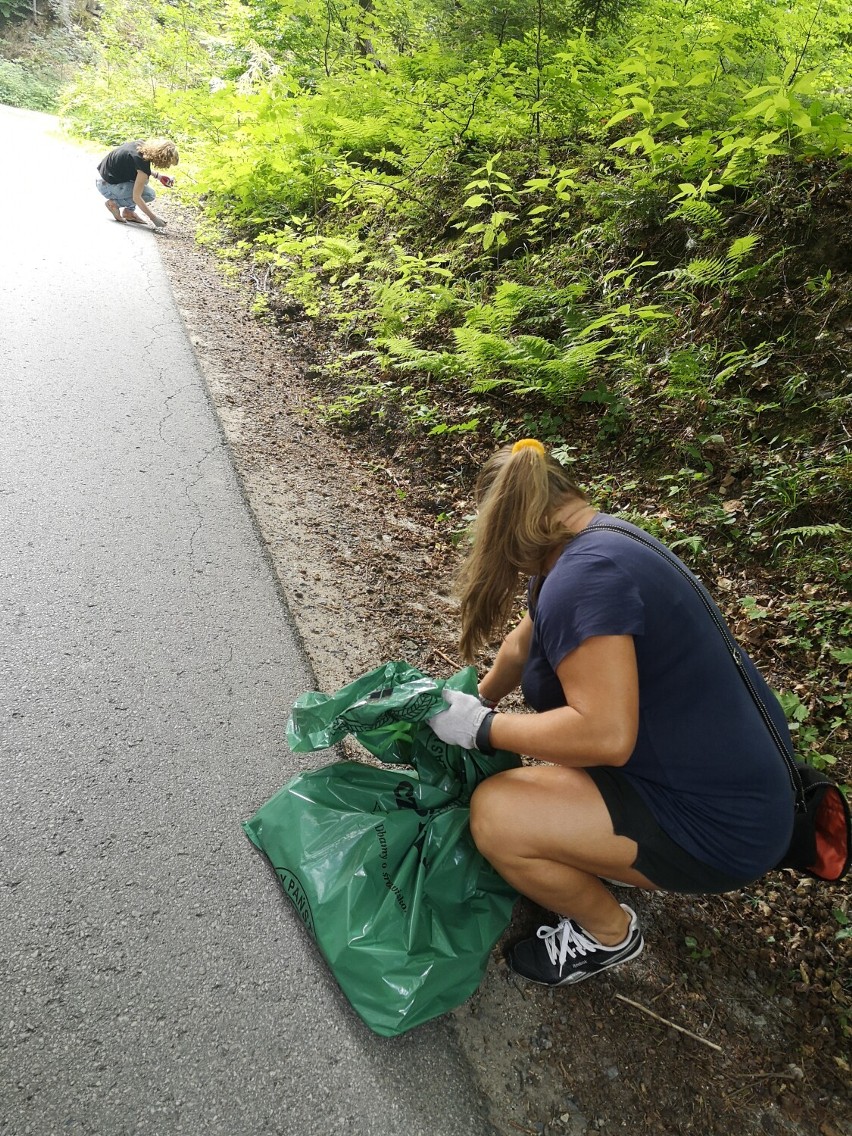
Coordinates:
152 979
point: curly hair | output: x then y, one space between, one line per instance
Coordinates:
159 152
518 493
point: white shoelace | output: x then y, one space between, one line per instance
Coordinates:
565 939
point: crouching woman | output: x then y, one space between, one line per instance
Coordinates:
660 770
123 178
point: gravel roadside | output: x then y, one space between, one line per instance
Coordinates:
366 581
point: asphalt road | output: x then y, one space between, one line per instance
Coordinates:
152 978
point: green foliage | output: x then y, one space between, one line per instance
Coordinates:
11 10
19 87
157 69
494 193
36 60
718 271
605 223
806 735
697 952
700 214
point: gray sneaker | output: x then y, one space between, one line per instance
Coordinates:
563 954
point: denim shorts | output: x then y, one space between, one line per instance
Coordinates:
660 859
122 192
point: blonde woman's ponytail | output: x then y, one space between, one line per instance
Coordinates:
519 491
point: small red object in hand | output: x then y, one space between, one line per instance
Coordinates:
164 179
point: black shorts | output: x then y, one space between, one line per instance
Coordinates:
660 859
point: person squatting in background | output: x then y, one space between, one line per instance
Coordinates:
123 178
661 772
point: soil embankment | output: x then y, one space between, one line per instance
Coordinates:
366 581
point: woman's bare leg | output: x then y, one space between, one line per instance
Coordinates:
547 831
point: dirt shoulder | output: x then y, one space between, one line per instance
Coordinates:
722 1025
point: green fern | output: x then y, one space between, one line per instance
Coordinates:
742 164
485 351
338 252
705 270
808 532
517 306
404 355
741 248
714 271
709 218
528 363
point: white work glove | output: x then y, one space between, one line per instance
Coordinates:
159 223
458 724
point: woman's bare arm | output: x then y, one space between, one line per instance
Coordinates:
505 674
600 723
138 185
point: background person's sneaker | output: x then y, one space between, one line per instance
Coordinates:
559 955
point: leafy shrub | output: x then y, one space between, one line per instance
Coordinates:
12 10
19 87
630 237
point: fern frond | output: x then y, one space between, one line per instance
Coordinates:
702 214
805 532
481 317
336 252
532 350
403 355
740 249
482 349
400 347
740 168
705 270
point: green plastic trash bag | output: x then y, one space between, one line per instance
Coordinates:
379 862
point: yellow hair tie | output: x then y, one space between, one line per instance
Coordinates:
531 443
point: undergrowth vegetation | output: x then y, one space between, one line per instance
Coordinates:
36 60
623 228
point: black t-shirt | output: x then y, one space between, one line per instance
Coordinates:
123 163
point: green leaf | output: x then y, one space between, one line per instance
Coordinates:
619 116
742 247
761 108
804 85
803 120
672 116
755 92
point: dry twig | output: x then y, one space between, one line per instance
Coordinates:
446 658
753 1079
666 1022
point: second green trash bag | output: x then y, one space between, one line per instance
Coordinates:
379 862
